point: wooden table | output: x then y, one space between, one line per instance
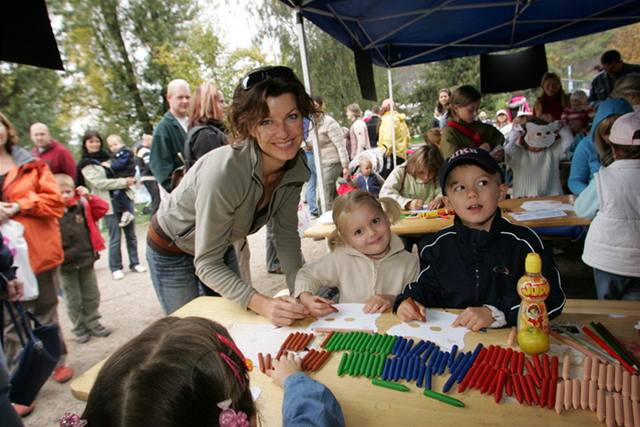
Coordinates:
366 405
432 225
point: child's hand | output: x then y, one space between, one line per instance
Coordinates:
131 181
379 304
415 204
316 305
436 203
82 191
410 310
106 164
474 318
287 365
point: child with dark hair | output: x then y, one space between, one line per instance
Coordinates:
612 246
476 263
188 372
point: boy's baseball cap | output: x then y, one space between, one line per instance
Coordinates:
626 130
469 156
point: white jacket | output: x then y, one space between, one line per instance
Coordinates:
613 240
357 276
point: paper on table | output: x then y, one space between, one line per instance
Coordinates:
349 316
533 215
252 339
255 392
545 205
437 329
326 218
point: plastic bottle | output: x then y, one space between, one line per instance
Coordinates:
533 321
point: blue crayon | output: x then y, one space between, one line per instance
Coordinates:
419 348
392 370
454 376
421 370
407 348
469 362
416 369
454 351
403 367
415 347
385 369
435 359
409 371
431 346
398 370
401 344
443 363
453 364
395 345
427 377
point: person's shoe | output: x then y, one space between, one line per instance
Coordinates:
100 331
117 275
62 374
126 219
24 410
82 338
139 268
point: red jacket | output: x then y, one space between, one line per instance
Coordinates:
32 185
58 157
94 208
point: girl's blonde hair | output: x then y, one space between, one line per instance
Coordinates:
427 158
606 148
349 202
206 105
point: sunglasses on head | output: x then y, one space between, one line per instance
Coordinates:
265 73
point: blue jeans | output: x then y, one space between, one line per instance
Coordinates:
115 235
174 277
311 184
614 286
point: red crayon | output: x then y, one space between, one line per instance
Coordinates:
525 389
494 382
486 382
514 362
306 359
520 363
545 365
532 389
467 378
320 361
507 358
538 366
306 341
544 392
267 362
551 394
481 356
517 389
509 385
501 355
499 386
494 355
533 373
554 368
261 362
291 345
484 373
473 383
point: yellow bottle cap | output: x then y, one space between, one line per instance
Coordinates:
533 263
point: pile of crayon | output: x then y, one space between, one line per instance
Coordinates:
314 360
296 341
264 362
607 389
497 370
360 342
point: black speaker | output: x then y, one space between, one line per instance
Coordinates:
511 71
364 71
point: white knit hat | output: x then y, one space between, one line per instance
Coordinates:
626 130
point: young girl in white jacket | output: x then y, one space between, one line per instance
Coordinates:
368 265
612 246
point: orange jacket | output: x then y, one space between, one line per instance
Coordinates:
32 185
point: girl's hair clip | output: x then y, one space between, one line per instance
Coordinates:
247 362
70 419
231 418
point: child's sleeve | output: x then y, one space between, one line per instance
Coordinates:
426 289
392 187
314 275
309 403
586 204
121 159
99 207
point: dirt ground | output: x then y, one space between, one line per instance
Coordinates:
129 305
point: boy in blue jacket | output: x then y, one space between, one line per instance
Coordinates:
475 264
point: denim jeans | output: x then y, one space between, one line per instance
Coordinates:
614 286
174 277
311 184
115 235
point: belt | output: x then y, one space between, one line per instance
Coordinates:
159 240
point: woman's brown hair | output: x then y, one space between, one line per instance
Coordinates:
12 135
249 106
427 158
206 107
172 374
606 148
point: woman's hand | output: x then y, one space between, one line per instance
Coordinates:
106 164
316 305
415 204
283 368
474 318
379 304
15 290
410 310
281 311
436 203
131 181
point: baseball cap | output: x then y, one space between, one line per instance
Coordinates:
626 130
469 156
501 112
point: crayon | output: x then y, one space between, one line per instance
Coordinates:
486 383
430 348
267 362
427 378
538 366
416 368
396 369
476 353
326 339
387 384
403 369
532 373
435 359
508 384
514 362
453 364
417 309
454 351
520 363
261 362
517 389
464 366
546 367
551 392
407 348
347 364
385 369
554 367
544 392
443 363
421 370
533 395
468 378
343 361
501 355
320 361
455 374
394 349
443 398
507 359
381 359
500 386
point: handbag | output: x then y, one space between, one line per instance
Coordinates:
39 355
13 236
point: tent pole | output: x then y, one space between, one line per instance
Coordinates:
302 42
393 117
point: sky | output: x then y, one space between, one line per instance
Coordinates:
235 21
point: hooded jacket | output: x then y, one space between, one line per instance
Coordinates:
462 267
168 141
32 186
386 134
585 160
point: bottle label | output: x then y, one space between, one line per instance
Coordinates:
535 288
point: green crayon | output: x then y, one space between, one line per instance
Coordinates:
388 384
443 398
343 361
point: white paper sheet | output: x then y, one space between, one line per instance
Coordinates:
253 338
533 215
349 316
545 205
437 329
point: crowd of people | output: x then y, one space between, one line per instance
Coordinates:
219 173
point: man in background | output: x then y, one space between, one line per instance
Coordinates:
56 155
612 69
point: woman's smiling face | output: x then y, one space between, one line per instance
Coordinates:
279 135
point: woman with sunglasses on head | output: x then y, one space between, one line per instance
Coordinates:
232 192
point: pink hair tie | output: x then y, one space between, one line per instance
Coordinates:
247 362
70 419
230 418
234 368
